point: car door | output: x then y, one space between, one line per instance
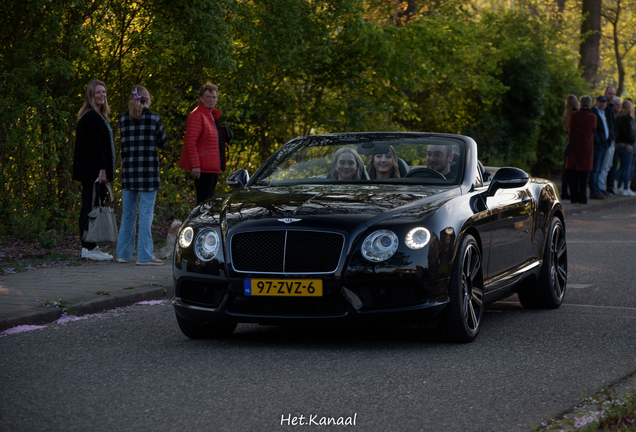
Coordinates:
511 229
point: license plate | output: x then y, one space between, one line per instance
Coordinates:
283 287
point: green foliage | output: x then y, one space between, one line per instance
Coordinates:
285 68
522 128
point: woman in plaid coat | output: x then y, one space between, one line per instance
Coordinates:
142 134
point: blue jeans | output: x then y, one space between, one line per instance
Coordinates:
608 162
599 155
126 239
624 172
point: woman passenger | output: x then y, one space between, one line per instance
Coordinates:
385 165
347 165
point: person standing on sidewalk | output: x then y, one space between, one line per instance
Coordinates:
606 176
142 134
571 104
579 160
204 144
601 145
625 140
93 159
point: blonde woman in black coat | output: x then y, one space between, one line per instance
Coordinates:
94 158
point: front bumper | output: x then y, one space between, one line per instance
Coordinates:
203 298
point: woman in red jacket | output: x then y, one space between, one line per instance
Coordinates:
204 145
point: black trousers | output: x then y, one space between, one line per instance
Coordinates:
87 206
565 184
205 185
578 186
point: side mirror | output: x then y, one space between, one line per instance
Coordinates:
507 178
238 179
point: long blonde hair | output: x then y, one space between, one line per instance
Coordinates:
627 108
571 104
360 164
89 101
139 99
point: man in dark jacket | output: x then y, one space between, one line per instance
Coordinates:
606 178
601 146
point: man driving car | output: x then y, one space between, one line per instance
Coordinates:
439 158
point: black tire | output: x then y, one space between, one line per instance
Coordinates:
550 290
462 318
211 330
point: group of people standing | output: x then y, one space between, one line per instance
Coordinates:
142 135
600 147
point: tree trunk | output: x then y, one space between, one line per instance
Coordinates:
591 36
619 60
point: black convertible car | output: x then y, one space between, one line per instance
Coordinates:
370 226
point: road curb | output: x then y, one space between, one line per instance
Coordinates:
84 306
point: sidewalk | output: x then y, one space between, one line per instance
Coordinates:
595 205
89 288
97 286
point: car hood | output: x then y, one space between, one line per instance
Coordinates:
346 204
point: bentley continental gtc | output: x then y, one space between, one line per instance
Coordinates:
354 227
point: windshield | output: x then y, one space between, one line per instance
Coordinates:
366 158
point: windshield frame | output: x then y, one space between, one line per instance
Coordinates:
365 143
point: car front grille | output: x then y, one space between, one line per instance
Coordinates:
286 251
287 306
201 293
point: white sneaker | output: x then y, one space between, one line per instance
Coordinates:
619 191
96 254
628 192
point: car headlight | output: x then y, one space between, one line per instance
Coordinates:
418 237
380 246
207 245
185 237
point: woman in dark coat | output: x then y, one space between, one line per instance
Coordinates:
625 131
94 159
571 104
579 160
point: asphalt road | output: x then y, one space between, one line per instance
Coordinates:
132 370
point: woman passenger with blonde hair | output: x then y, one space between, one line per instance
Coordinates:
625 132
93 159
347 165
142 134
